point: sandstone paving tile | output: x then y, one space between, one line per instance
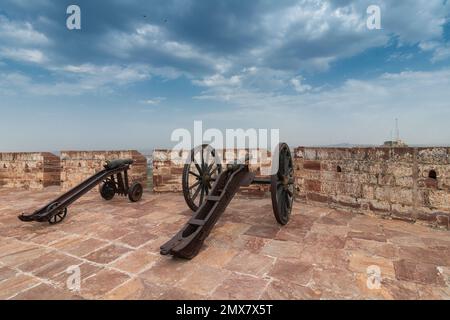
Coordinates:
204 280
425 255
48 238
437 244
215 257
173 218
249 263
97 285
6 273
153 245
67 241
399 290
284 290
292 271
291 234
327 229
137 289
13 246
433 293
107 254
82 247
50 265
110 233
367 236
86 270
404 239
181 294
136 261
369 289
169 271
325 257
282 249
445 271
21 256
263 231
366 224
40 261
325 240
335 282
240 287
138 238
231 230
340 215
361 263
374 248
258 218
412 229
14 285
46 292
80 228
169 228
248 243
418 272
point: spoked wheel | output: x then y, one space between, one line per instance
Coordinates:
108 190
199 173
58 217
135 192
282 184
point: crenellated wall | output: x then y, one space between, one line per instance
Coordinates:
410 184
29 170
77 166
397 183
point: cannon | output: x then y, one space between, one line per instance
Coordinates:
114 180
208 188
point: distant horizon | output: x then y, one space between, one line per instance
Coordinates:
146 150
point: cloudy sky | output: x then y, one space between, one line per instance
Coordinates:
137 70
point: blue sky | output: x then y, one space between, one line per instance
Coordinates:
137 70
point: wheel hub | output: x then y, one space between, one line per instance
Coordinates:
206 178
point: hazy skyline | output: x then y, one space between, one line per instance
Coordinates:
137 70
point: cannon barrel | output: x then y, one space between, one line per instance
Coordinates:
113 164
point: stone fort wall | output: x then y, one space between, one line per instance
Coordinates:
411 184
29 170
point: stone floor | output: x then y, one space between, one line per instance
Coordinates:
321 254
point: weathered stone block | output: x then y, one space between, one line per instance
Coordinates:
432 155
311 165
29 170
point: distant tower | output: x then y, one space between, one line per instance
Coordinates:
395 142
397 131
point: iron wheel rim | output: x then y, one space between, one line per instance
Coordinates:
282 185
59 216
199 174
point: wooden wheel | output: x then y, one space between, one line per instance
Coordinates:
199 173
108 189
135 192
282 184
59 216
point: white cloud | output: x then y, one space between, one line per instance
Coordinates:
23 33
76 79
299 86
21 42
153 101
403 91
149 41
23 55
219 80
